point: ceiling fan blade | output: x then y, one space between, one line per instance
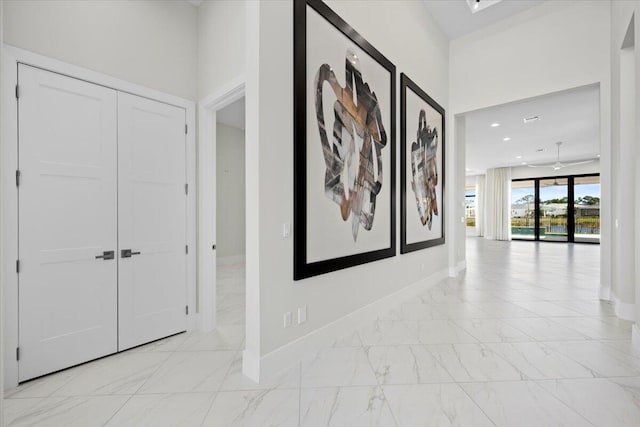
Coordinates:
543 166
564 165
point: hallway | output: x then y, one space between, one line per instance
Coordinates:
521 339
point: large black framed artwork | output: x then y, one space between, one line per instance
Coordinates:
344 145
422 174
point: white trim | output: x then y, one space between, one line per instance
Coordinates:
207 108
605 293
232 259
635 336
251 365
325 336
458 268
9 155
623 310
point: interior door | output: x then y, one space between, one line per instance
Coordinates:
152 206
67 222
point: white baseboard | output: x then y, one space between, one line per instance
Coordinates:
289 354
624 310
194 322
251 365
232 259
605 293
635 336
458 268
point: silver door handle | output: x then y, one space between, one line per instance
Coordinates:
106 255
127 253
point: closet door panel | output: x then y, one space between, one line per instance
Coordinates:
67 218
151 220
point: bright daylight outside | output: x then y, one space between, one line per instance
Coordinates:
554 209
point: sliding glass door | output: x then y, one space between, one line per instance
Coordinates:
557 209
554 206
587 209
523 204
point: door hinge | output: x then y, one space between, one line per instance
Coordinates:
186 309
17 91
186 249
17 266
186 129
17 353
186 188
17 178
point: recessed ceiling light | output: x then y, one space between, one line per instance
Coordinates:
467 169
518 157
495 125
598 155
506 138
523 163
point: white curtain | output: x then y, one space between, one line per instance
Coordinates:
497 218
480 198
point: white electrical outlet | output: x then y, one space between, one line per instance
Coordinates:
302 314
287 319
286 230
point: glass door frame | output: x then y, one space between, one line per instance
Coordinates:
570 207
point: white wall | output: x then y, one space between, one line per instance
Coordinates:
626 186
151 43
1 219
230 191
221 44
555 46
396 28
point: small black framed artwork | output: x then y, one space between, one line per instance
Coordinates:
422 140
344 145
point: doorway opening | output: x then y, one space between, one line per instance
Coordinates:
230 215
547 152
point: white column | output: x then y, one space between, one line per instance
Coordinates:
625 193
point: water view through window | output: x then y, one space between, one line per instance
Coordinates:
562 209
587 209
552 214
523 205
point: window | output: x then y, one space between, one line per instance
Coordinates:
523 222
556 209
553 209
470 206
586 196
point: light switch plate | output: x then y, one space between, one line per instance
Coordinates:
287 319
302 314
286 230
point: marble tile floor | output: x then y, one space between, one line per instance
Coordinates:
521 339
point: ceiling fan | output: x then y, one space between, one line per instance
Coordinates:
558 164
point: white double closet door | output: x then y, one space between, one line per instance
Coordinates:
102 221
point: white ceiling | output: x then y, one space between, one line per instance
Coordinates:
455 19
572 117
232 114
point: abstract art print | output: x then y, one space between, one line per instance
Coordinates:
344 145
422 168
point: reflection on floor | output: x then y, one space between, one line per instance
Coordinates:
521 339
231 294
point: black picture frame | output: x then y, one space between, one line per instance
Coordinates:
301 268
407 84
